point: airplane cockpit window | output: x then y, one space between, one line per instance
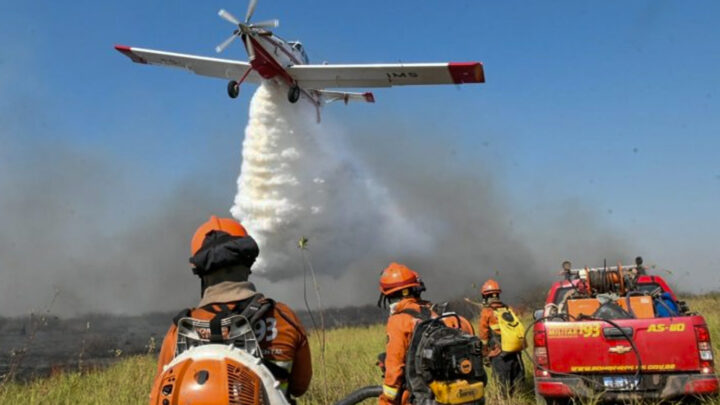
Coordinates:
299 47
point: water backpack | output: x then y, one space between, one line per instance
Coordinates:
512 331
236 327
216 374
443 365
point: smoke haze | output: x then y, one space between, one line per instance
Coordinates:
73 220
390 203
71 223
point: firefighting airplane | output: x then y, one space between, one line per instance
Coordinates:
272 58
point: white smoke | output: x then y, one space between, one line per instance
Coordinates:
297 180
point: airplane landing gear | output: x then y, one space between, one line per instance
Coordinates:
294 93
233 89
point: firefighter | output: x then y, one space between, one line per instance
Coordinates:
502 335
400 290
222 254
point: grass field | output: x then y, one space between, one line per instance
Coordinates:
349 363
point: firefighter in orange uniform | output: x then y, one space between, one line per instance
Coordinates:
222 254
506 366
400 290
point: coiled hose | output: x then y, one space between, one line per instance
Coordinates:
361 394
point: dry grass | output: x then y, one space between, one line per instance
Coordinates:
350 355
126 382
350 364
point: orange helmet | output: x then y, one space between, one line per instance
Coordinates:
490 287
397 277
216 375
227 225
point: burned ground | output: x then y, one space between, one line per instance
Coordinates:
38 346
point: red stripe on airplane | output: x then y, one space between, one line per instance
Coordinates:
466 72
266 65
127 51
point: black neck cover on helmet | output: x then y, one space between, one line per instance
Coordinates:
220 250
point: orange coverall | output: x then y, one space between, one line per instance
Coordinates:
282 339
487 326
399 332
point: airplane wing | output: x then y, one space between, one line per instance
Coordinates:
212 67
386 75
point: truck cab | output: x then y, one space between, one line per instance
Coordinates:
619 334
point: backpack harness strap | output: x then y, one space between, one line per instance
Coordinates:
216 323
424 314
252 309
497 312
495 336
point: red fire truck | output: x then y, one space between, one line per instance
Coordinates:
617 333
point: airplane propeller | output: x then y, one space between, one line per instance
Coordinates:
250 48
226 42
244 28
274 23
250 10
228 17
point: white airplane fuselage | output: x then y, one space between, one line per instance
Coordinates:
274 55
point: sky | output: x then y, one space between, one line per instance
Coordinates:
607 107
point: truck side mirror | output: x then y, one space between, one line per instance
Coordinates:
538 314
